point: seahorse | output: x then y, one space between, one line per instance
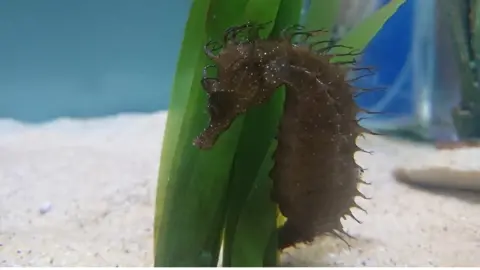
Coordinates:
315 175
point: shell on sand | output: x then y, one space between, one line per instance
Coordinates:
441 177
453 168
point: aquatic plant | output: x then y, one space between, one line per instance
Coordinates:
463 28
223 194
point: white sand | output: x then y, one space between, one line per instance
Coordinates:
94 182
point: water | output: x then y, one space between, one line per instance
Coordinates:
86 58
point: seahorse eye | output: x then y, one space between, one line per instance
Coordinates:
219 104
209 84
213 109
213 104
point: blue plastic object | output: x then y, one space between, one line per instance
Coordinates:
389 53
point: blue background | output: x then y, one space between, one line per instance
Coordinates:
84 58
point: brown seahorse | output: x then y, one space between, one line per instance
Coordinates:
315 176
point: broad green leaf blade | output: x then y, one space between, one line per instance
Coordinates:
191 49
257 221
360 35
191 196
179 98
289 13
322 15
262 11
223 14
260 126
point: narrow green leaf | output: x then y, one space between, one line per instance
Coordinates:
223 14
260 126
257 221
262 11
362 34
322 15
289 13
180 95
192 185
191 49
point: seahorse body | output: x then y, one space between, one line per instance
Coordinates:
315 176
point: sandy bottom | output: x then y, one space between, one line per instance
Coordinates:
81 193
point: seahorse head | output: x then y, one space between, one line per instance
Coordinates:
240 84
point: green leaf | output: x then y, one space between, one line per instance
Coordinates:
257 221
322 15
260 127
192 184
180 95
